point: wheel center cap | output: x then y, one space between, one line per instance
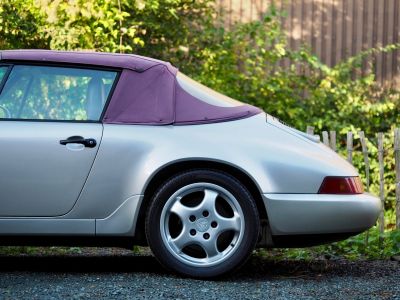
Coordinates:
202 225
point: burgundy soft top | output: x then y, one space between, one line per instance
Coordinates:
147 91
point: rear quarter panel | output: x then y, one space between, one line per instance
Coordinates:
130 155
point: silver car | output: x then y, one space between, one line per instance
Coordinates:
121 150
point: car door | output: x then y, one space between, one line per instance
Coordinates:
49 135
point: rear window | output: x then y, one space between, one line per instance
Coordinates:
203 93
55 93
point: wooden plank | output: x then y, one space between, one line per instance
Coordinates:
261 8
257 9
345 26
251 13
241 11
359 26
220 9
328 34
339 30
307 27
245 6
225 13
324 31
381 185
388 75
313 27
365 34
317 20
296 27
291 22
375 32
395 54
354 21
231 13
349 147
379 41
296 23
286 27
371 39
310 130
385 24
335 22
303 19
349 21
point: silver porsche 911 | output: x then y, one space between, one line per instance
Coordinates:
121 150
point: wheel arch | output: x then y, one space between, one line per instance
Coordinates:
167 171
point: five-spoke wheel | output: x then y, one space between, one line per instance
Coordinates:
202 223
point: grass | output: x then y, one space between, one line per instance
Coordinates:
354 248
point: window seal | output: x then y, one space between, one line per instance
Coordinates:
110 95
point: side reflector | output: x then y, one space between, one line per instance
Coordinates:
341 185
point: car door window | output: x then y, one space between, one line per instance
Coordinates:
55 93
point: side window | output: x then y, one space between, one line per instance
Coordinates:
55 93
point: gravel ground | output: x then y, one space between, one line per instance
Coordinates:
111 273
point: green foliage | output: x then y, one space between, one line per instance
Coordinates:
253 63
155 27
352 248
20 25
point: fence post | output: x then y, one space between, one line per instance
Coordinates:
325 138
332 137
366 166
310 130
381 187
349 147
397 164
366 159
398 205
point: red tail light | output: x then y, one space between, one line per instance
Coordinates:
341 185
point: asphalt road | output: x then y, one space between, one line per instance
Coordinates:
129 276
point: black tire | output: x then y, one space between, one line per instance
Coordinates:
244 246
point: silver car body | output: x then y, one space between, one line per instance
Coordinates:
287 167
55 190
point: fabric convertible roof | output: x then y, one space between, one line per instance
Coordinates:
147 91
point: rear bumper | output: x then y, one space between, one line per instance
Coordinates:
300 214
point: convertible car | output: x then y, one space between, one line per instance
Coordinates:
119 150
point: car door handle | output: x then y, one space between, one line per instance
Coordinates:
90 143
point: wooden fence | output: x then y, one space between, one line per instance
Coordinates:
330 140
334 29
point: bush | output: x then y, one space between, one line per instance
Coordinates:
252 63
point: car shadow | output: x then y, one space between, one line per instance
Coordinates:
255 268
80 264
